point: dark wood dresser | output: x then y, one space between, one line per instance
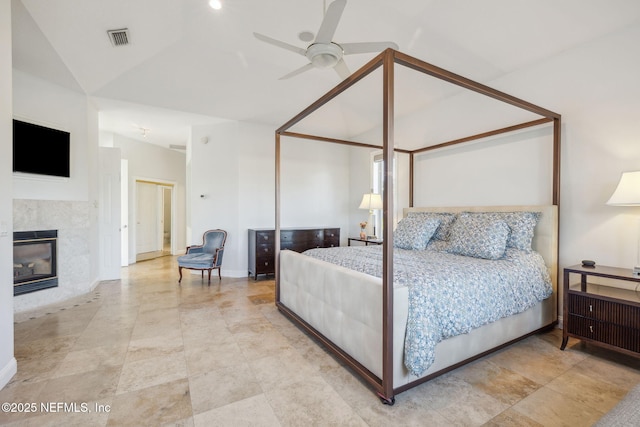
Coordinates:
262 244
607 315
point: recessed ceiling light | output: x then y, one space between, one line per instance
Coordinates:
215 4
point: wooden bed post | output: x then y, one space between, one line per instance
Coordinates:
411 160
556 187
387 214
277 219
556 161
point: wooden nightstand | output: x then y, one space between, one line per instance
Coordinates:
605 315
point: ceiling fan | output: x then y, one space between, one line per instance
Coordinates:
325 53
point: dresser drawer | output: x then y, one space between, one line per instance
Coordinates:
301 240
265 264
331 243
265 237
310 238
597 308
331 237
267 249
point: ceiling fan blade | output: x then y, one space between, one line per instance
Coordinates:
298 71
278 43
330 21
342 69
366 47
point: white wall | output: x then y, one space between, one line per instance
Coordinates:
235 172
7 361
314 184
158 164
508 170
595 89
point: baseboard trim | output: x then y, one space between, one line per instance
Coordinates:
560 322
225 273
7 372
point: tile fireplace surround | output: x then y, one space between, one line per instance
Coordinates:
72 219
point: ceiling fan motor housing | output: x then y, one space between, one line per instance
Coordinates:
324 55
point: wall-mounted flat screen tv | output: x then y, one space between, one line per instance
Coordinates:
40 150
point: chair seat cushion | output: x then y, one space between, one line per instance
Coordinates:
196 260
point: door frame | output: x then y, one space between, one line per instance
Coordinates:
161 219
133 212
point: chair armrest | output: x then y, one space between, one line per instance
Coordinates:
195 249
217 261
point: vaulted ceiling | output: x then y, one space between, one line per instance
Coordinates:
189 64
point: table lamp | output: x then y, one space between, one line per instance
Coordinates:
628 194
371 201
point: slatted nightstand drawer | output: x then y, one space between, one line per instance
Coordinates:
604 332
583 304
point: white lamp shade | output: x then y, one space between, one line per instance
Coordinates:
628 190
371 201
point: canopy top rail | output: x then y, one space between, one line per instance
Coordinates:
338 141
431 70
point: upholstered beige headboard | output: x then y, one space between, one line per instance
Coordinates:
545 239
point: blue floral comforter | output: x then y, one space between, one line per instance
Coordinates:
450 294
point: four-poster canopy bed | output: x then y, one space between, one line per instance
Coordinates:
362 318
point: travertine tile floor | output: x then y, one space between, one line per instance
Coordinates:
146 351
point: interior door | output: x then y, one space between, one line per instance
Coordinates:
146 217
109 213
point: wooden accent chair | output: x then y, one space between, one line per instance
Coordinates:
207 256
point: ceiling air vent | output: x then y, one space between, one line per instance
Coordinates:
119 37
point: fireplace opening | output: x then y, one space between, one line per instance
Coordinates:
34 261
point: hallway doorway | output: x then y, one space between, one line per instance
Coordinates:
154 219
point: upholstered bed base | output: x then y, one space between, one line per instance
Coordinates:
345 307
338 302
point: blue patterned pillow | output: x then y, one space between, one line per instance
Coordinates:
478 236
521 226
414 232
446 219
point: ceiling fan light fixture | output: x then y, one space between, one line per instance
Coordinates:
323 52
306 36
324 55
